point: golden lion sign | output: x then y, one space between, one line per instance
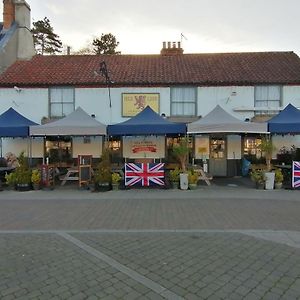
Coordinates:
132 104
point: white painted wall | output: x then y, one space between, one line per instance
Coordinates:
291 94
94 148
31 103
17 145
228 97
96 101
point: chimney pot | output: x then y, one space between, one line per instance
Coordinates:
174 44
179 45
164 45
8 13
169 44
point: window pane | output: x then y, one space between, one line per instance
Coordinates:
183 101
67 109
61 101
274 93
67 95
55 95
56 110
183 94
261 93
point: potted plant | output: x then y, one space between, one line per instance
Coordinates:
267 149
174 178
11 179
102 177
192 179
278 179
115 180
36 178
23 174
181 152
258 177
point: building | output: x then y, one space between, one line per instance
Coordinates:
16 41
182 87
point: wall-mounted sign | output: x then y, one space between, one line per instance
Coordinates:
144 146
132 104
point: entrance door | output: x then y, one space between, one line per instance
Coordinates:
217 158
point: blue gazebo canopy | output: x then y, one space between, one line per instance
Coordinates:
13 124
287 121
146 122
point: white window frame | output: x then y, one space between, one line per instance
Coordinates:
61 101
269 105
183 102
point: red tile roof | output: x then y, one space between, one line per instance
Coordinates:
157 70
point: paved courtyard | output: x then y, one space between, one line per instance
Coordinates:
212 243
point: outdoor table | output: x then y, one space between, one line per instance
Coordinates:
71 175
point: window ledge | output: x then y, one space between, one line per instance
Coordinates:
262 108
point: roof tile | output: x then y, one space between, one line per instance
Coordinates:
157 70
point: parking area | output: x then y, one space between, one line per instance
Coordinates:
224 242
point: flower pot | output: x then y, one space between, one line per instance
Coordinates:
103 186
270 177
36 186
115 186
260 185
278 185
192 186
23 187
174 185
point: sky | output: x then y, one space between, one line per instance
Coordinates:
207 25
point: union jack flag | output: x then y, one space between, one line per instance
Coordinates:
296 174
144 174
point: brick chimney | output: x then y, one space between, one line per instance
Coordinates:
8 13
171 48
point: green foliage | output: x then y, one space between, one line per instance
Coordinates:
267 149
44 38
278 175
115 178
103 173
174 175
257 176
11 179
192 176
181 152
106 44
36 176
22 172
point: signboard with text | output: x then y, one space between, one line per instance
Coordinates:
132 103
144 146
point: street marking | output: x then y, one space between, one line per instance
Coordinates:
118 266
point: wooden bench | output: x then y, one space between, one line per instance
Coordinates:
203 176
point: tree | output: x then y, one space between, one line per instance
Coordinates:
44 38
107 44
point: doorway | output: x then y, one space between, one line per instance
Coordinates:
218 156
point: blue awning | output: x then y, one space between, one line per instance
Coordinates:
13 124
145 123
287 121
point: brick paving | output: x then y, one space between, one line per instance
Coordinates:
224 243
